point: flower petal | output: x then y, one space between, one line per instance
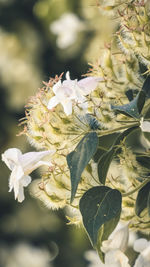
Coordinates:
140 244
11 157
53 102
145 126
116 258
118 240
143 259
67 108
26 180
29 160
89 84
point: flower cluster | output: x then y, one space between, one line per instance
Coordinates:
96 132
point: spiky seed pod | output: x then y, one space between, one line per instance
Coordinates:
55 188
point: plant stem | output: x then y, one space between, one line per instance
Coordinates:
118 129
136 189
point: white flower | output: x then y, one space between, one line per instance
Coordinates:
117 240
113 258
66 28
113 249
145 125
143 246
21 166
70 91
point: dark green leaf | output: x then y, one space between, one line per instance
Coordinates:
142 199
106 158
129 94
146 86
99 206
144 160
103 165
79 158
104 144
133 108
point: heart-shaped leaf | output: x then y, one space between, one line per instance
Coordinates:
132 109
79 158
99 206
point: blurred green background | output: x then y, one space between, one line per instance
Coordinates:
29 54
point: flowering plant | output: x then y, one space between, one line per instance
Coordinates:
96 131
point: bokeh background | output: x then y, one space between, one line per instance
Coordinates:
32 49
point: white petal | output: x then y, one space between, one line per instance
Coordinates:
115 258
89 84
20 195
119 240
68 75
94 259
57 87
41 163
140 244
67 108
145 126
53 102
25 181
143 259
16 175
29 160
11 157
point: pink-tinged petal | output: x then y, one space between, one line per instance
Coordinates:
53 102
89 84
29 160
11 157
67 108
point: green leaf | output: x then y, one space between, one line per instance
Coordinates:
79 158
103 165
106 158
144 160
146 86
142 199
129 94
133 108
104 144
100 207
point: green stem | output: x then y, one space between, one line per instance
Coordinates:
136 189
118 129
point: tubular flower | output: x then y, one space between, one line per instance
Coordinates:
21 166
113 248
